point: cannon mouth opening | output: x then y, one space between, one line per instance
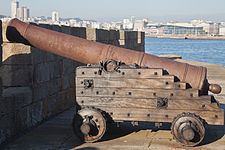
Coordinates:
13 35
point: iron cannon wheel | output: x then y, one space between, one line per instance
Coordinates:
188 129
89 125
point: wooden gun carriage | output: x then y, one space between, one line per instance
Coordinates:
141 87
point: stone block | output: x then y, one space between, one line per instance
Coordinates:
23 119
37 113
43 25
14 53
36 56
122 42
4 29
6 106
1 88
55 69
114 35
68 81
51 57
17 97
131 44
122 35
40 91
114 42
56 28
52 105
91 34
1 40
79 32
16 75
66 29
7 129
41 72
139 37
0 54
67 66
102 35
54 86
68 98
131 35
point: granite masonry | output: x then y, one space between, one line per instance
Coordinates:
36 85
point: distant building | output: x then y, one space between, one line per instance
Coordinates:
179 29
127 24
222 29
23 13
55 16
14 7
139 25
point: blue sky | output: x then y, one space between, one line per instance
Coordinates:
114 10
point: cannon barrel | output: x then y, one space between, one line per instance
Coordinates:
90 52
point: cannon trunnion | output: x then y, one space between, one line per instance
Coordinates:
134 93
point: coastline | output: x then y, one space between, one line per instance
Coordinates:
187 37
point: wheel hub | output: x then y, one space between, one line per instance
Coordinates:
188 133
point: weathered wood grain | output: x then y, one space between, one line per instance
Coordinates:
161 115
137 93
133 103
163 83
126 73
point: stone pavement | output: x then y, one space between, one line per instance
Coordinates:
57 134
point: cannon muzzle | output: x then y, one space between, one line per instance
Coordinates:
90 52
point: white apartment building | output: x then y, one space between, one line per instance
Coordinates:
14 7
55 16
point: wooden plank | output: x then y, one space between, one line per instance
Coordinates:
133 103
137 93
122 72
160 115
132 83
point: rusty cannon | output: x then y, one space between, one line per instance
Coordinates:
123 85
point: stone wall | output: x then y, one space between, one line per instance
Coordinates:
37 85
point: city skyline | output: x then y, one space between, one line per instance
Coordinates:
161 10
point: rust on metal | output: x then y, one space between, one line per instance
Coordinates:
90 52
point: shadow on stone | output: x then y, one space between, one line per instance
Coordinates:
213 132
126 128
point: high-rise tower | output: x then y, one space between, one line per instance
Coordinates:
14 7
55 16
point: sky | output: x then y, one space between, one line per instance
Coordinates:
116 10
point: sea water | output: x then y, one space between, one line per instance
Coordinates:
209 51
